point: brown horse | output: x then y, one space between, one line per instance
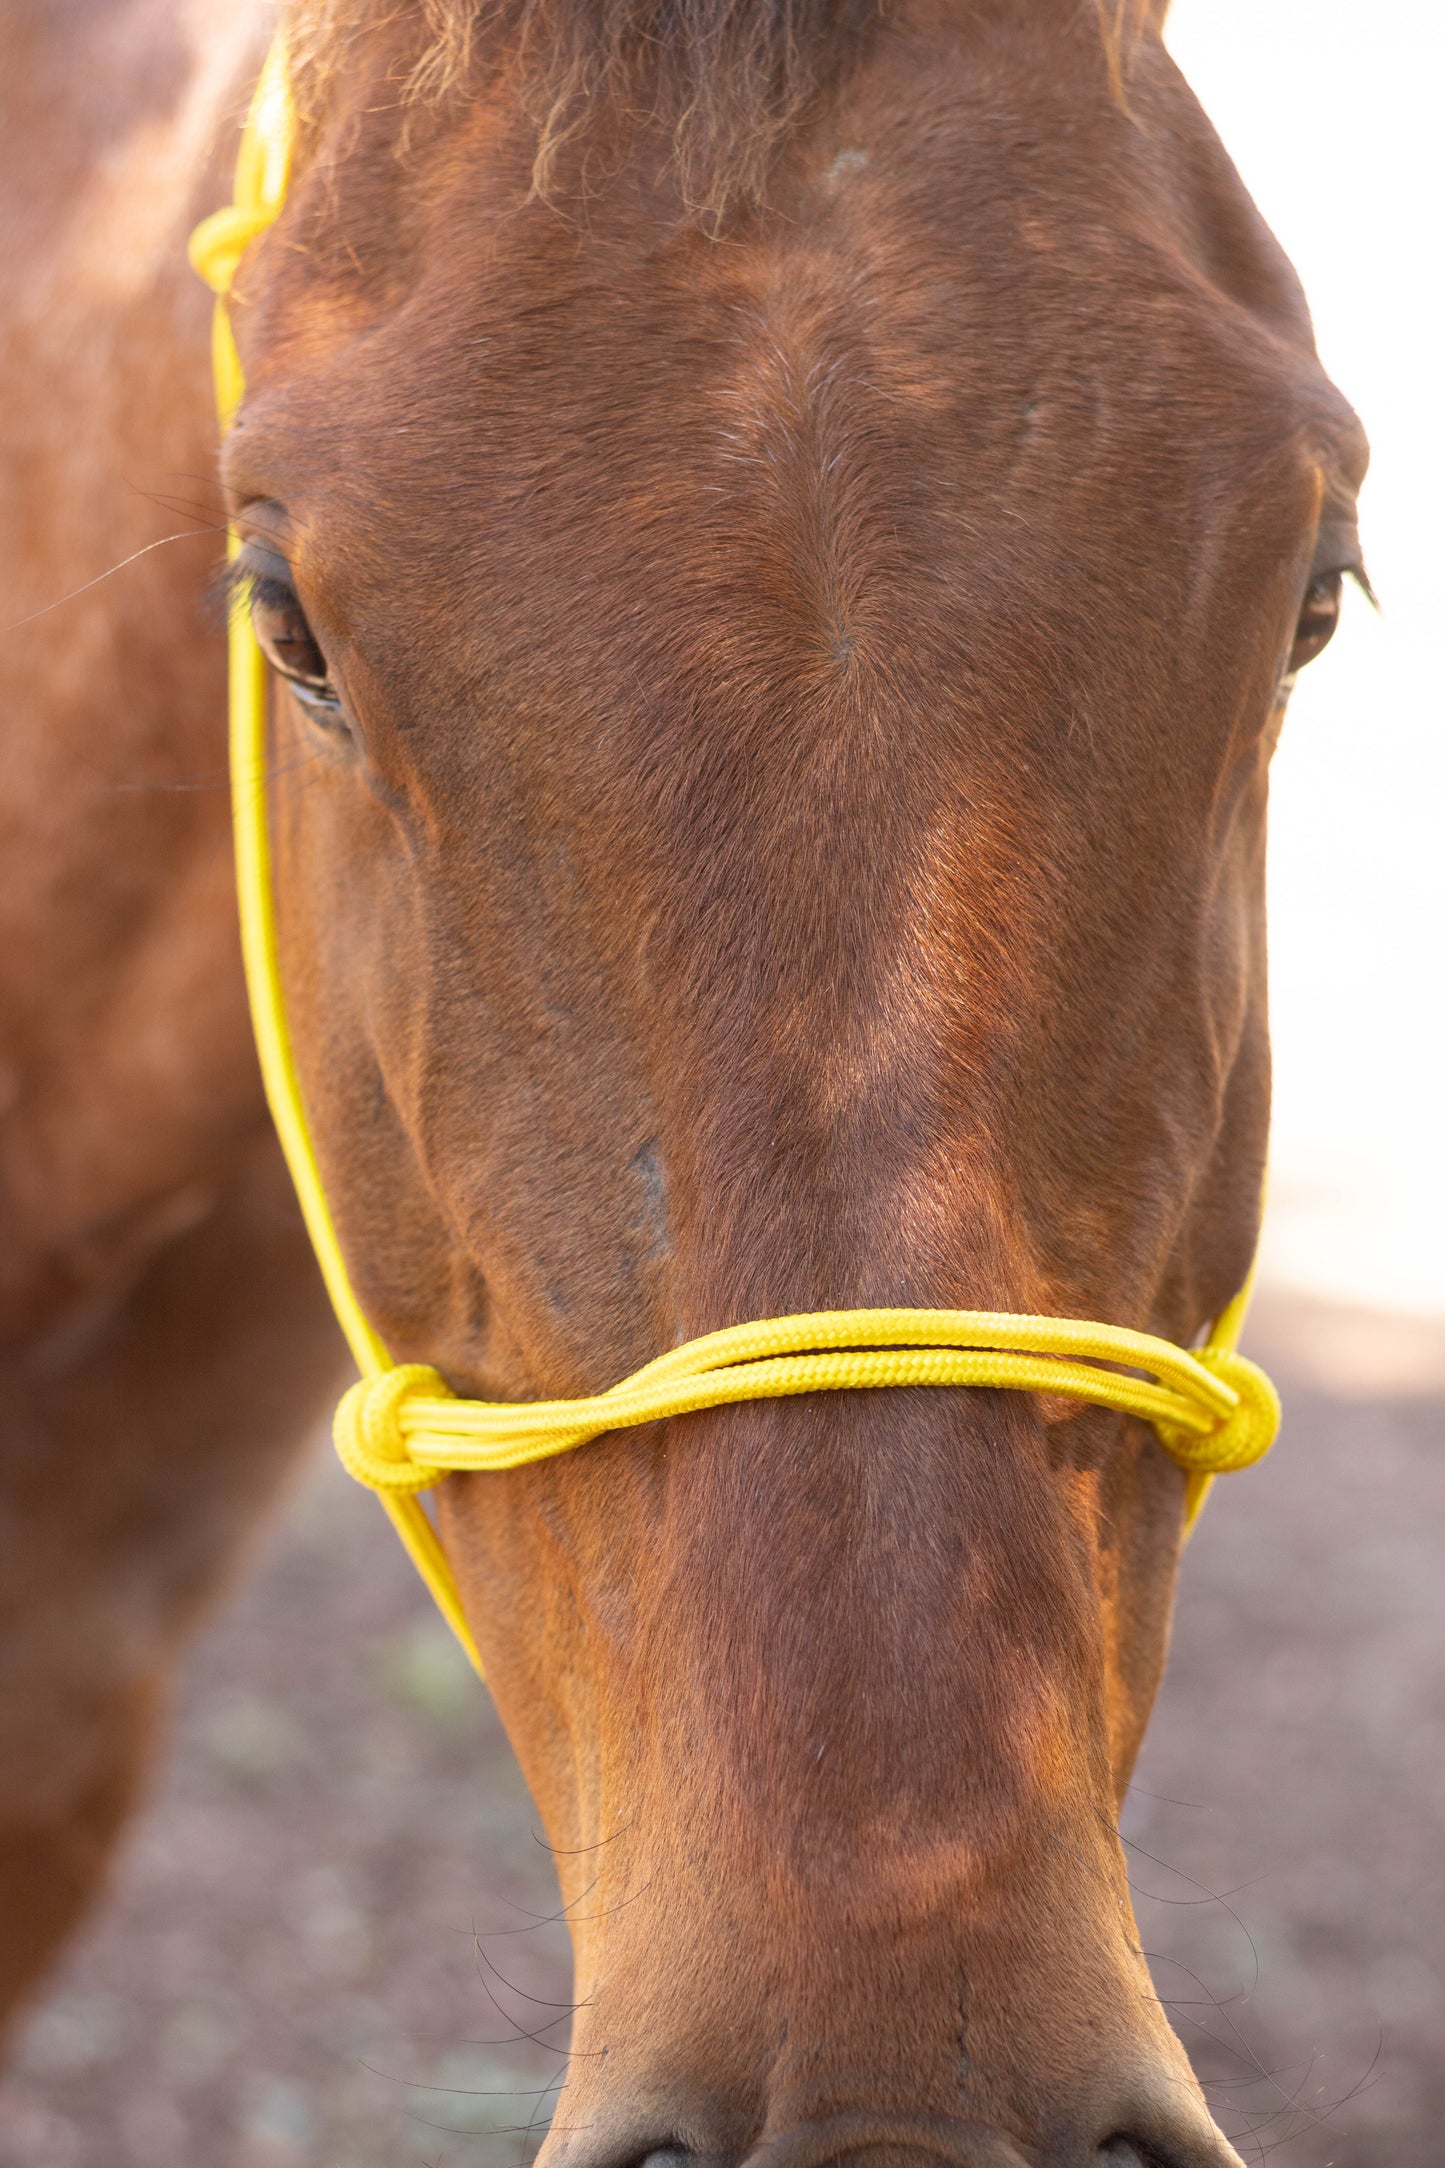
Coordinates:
790 528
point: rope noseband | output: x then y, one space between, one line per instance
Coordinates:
401 1428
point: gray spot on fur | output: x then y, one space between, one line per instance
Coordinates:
652 1202
845 163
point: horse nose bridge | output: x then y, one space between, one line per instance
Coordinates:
895 1581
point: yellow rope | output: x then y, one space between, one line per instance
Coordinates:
1214 1411
400 1428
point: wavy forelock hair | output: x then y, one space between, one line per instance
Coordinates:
729 79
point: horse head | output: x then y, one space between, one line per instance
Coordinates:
786 631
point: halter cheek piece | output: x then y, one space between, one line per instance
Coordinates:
401 1428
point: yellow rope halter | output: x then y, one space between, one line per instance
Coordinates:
400 1428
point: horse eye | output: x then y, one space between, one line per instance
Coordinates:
288 643
1317 620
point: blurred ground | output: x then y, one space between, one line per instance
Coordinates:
295 1969
1294 1775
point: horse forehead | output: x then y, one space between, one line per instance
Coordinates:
866 431
873 414
935 260
780 466
785 307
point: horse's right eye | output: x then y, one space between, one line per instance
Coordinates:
287 641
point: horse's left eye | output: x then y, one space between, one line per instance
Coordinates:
1317 620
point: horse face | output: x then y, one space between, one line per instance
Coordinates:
771 818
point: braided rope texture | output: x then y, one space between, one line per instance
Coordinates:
1213 1412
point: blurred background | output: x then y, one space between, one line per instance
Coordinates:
1331 112
329 1944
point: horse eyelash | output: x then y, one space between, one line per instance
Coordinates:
240 586
1359 573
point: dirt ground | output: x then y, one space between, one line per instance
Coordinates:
302 1963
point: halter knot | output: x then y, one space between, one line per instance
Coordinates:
220 241
371 1435
1241 1437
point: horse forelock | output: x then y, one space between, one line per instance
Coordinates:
729 80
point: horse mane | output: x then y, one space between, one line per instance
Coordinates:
730 79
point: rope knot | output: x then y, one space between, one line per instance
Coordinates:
1244 1435
220 241
369 1433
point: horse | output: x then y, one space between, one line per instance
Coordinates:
784 534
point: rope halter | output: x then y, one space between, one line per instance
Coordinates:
401 1428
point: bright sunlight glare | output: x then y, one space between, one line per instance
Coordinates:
1330 110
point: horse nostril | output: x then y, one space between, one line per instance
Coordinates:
667 2156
